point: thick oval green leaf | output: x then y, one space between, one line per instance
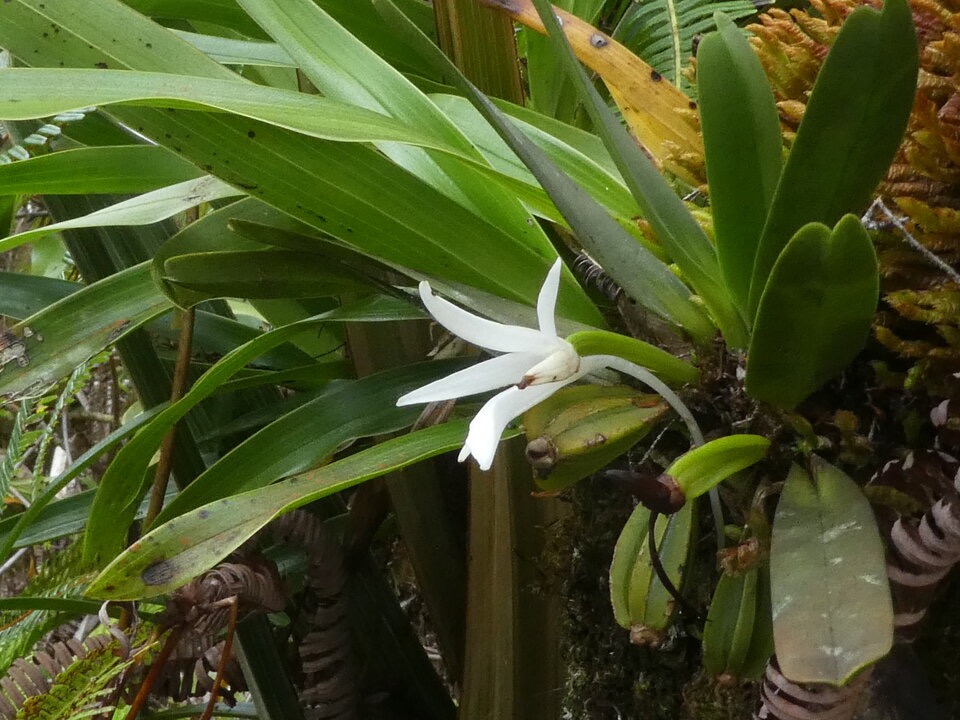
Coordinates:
120 169
832 613
667 367
46 346
851 129
815 313
742 146
702 468
738 635
181 549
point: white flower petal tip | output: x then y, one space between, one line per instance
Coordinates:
547 300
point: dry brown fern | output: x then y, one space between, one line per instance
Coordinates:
329 688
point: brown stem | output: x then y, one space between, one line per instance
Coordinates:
155 669
224 658
180 373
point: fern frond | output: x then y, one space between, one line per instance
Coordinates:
72 386
662 32
85 689
20 442
60 575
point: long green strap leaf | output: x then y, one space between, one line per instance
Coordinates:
345 189
304 437
177 551
27 93
635 268
144 209
121 169
341 67
742 146
121 487
48 345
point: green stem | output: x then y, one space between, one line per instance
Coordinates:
661 388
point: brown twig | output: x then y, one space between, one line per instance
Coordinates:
180 373
155 670
234 604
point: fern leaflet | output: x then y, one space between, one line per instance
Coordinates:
662 32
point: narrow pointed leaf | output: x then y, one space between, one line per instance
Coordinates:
40 92
230 51
26 295
118 496
851 129
673 225
636 269
306 436
119 169
259 274
324 184
48 345
742 145
144 209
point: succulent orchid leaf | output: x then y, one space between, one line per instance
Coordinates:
815 313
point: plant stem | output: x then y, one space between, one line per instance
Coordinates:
179 385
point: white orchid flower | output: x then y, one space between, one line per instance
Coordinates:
535 365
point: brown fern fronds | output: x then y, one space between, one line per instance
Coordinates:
329 687
201 605
783 699
29 677
198 612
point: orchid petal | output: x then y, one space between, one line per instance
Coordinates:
482 332
488 424
547 300
488 375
